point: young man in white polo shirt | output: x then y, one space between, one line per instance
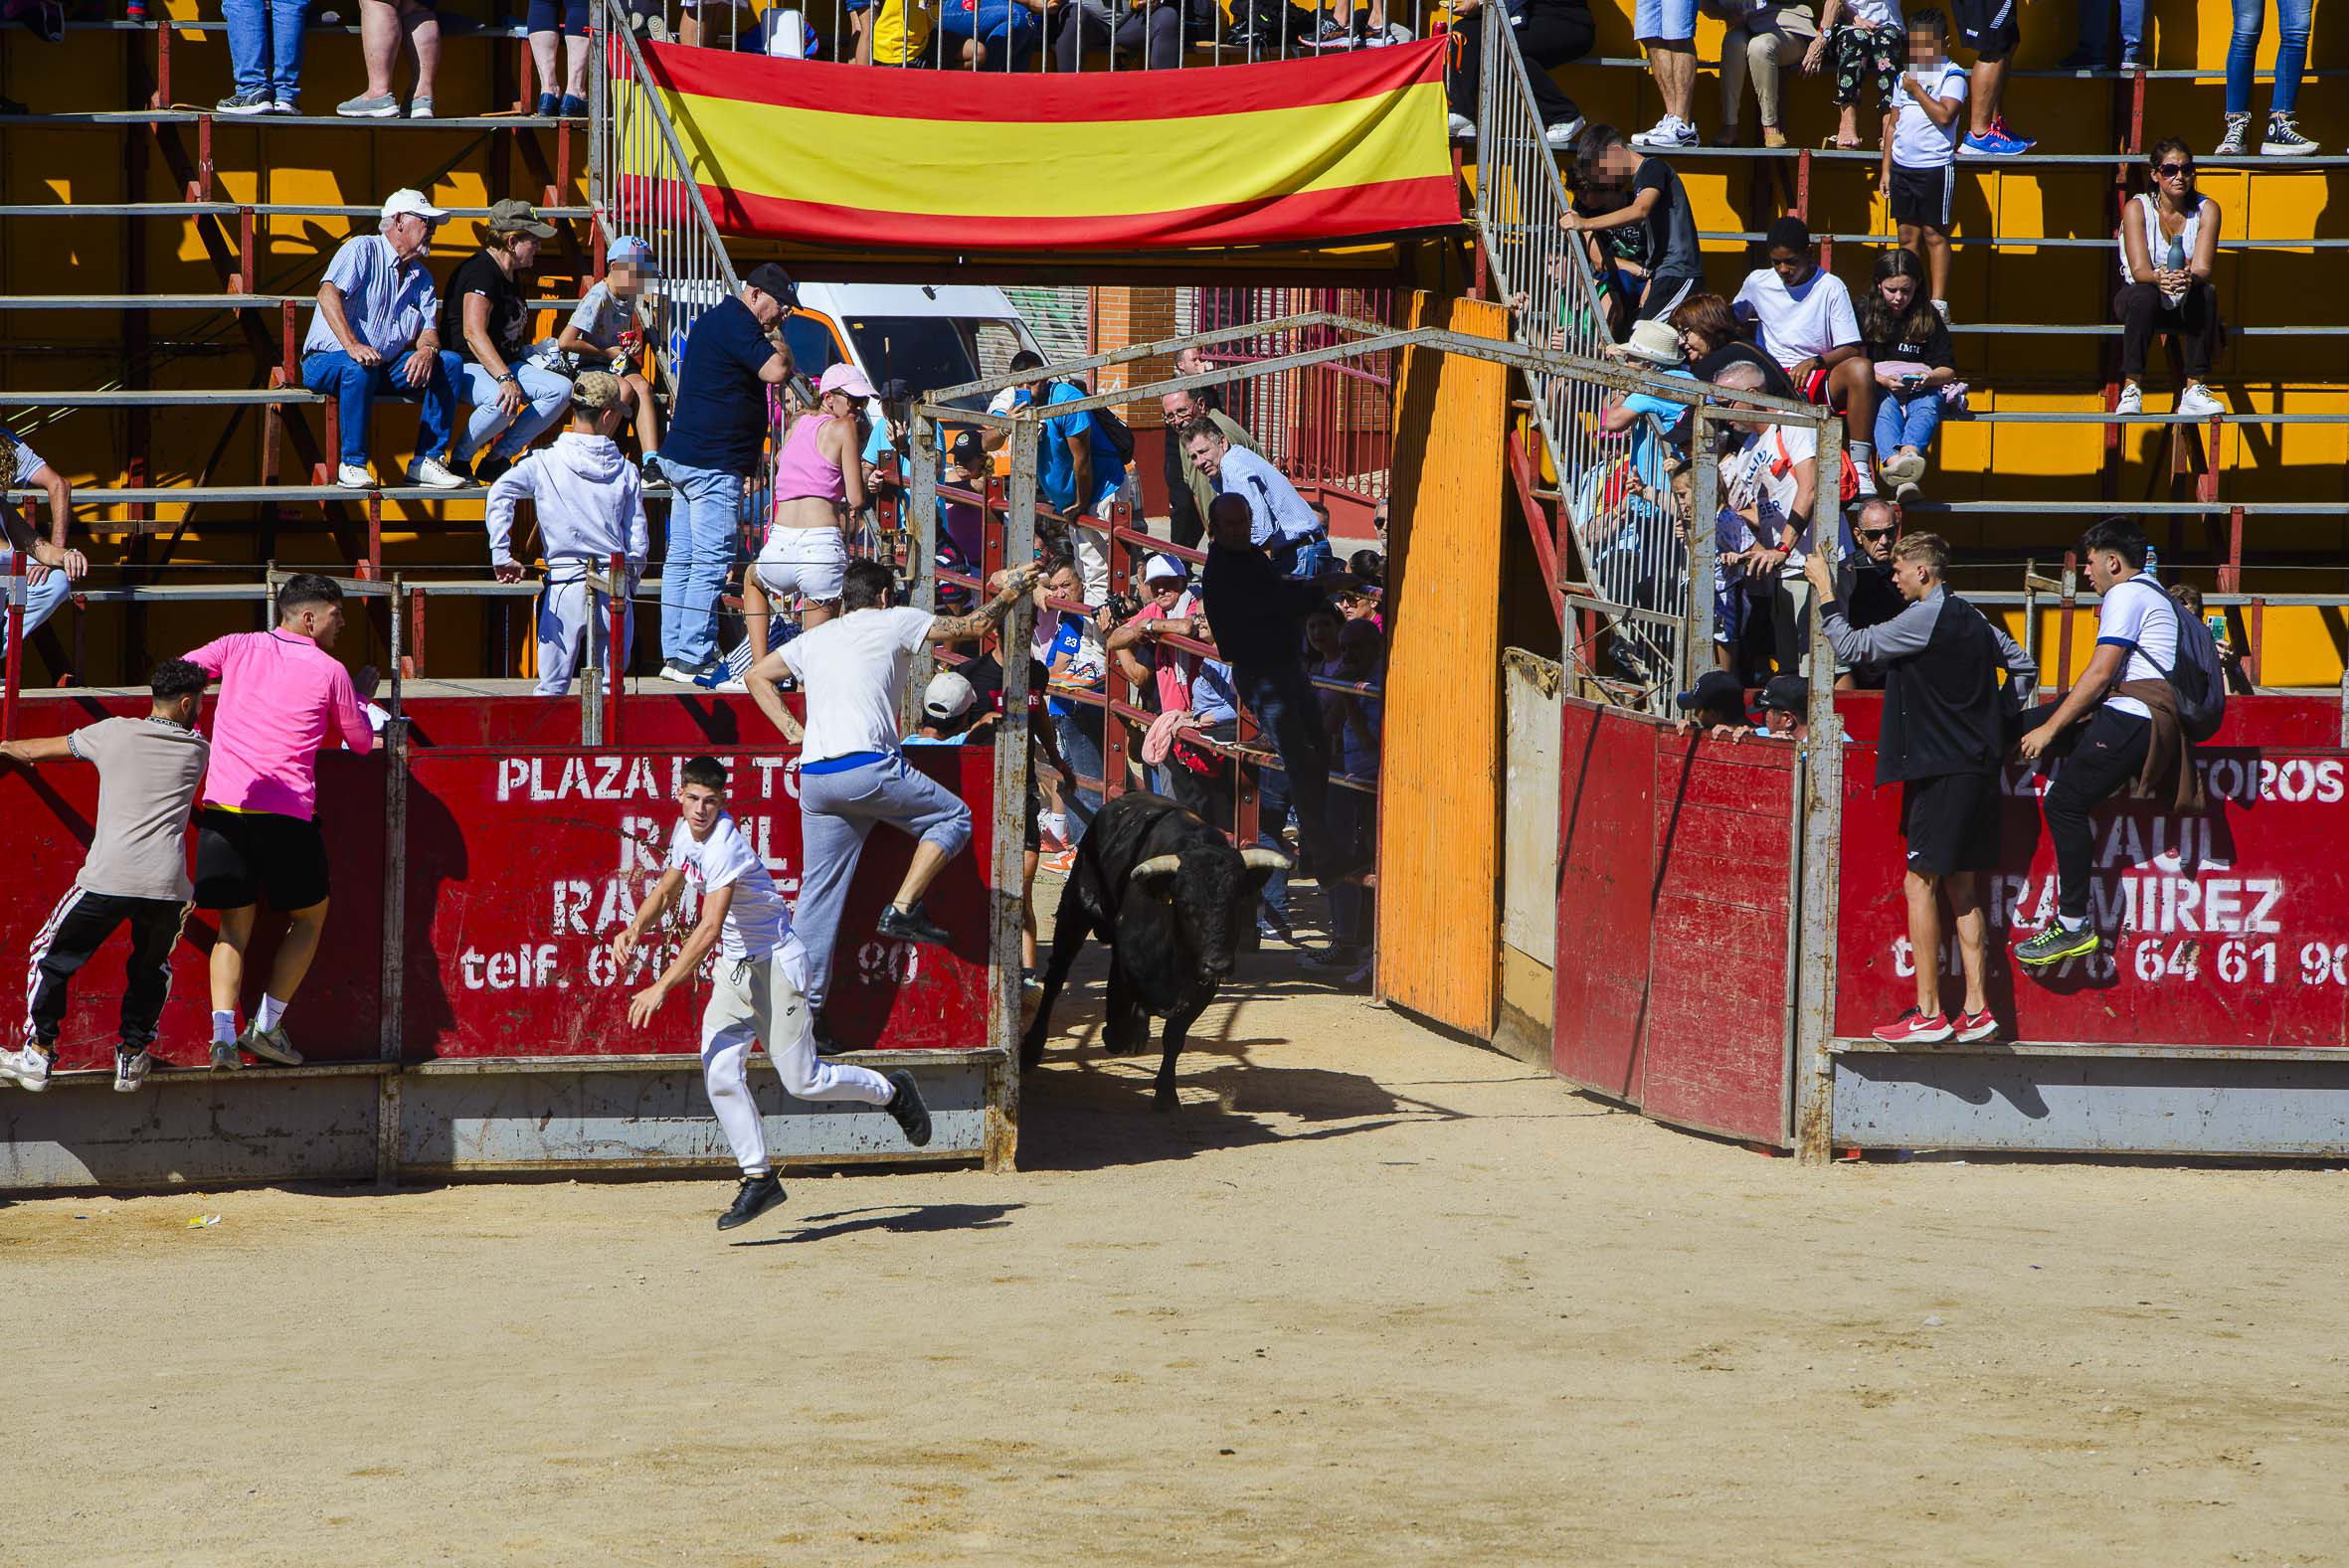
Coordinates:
2137 626
758 993
1771 482
852 772
1802 317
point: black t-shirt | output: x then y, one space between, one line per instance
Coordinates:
720 418
1932 350
1256 609
509 313
1774 380
1672 227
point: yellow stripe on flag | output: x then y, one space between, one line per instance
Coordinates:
958 168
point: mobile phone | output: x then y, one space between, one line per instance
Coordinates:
2217 621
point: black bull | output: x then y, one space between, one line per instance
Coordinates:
1172 898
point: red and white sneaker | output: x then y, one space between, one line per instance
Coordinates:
1916 1028
1976 1025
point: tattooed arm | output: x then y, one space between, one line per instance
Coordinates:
965 628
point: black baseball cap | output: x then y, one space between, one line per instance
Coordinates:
773 281
1716 689
1786 693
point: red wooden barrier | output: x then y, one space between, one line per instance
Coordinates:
336 1016
1675 860
2228 926
521 864
520 860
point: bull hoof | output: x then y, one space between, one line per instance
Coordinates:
1166 1101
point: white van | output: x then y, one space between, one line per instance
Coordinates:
929 335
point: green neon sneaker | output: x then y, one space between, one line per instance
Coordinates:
2056 944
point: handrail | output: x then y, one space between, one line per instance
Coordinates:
640 182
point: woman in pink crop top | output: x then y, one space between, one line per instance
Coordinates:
818 485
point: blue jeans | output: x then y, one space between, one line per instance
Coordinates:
1079 735
1906 419
42 599
2291 52
265 45
2095 25
356 387
702 521
990 24
549 398
1272 815
1289 711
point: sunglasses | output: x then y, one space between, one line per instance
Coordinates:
1879 533
2168 170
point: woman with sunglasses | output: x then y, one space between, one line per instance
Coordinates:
2168 240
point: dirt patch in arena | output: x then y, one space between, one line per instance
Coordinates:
1371 1296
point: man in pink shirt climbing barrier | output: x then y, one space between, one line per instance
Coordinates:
282 695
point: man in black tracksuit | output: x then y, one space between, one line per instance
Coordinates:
1944 738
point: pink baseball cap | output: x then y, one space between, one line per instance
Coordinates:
845 377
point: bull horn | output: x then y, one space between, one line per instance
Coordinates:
1158 867
1265 860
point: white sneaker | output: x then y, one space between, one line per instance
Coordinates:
1463 129
353 477
2197 403
131 1070
2132 401
433 474
28 1068
1563 134
682 675
1669 133
1866 480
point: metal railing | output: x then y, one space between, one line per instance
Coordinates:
1031 34
642 183
1630 521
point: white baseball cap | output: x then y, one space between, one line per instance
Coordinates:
409 200
1160 567
948 696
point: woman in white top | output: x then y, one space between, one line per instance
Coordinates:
2168 241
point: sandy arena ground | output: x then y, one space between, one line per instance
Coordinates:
1371 1296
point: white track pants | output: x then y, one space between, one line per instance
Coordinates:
572 618
764 998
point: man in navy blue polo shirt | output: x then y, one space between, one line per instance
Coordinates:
717 427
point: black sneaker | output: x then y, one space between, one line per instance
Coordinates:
1339 957
910 925
913 1116
754 1197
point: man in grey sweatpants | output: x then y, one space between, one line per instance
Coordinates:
851 773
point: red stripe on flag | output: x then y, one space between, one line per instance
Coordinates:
1351 212
1029 98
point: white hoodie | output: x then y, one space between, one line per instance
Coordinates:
590 501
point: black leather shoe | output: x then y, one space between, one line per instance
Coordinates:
906 1106
754 1197
910 925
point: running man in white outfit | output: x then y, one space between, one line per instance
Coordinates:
757 993
590 502
818 487
851 770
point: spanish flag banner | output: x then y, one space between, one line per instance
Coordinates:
1348 145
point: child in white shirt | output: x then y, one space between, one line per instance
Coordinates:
1920 148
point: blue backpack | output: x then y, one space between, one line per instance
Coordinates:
2197 676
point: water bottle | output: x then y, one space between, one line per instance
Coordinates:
2177 256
